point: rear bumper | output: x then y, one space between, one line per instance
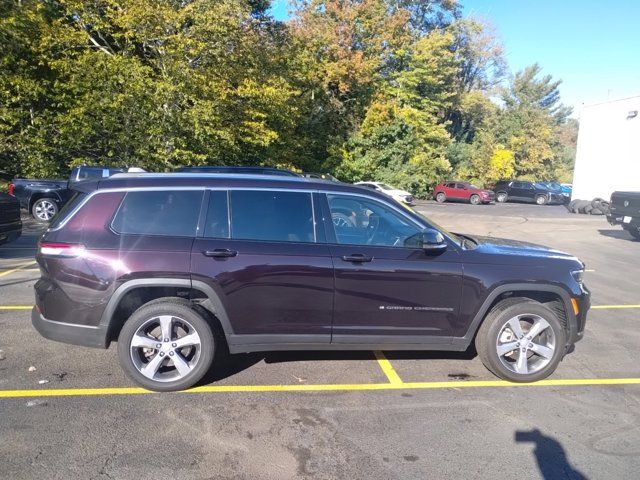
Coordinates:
618 219
85 335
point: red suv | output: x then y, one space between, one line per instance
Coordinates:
462 191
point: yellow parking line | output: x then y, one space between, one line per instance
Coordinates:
16 307
607 307
83 392
387 368
9 272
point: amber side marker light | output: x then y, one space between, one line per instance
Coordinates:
576 309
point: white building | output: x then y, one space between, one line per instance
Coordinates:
608 152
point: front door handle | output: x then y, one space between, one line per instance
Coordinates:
220 253
357 257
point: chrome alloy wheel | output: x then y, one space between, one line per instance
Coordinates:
45 210
165 348
526 344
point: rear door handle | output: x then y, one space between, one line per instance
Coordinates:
220 253
357 257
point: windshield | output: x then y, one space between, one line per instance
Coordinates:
547 185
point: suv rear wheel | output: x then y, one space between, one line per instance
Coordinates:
501 197
166 346
521 340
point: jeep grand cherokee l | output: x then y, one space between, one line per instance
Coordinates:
175 266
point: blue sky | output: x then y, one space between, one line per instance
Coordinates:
593 46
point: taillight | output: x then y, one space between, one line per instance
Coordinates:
67 250
11 189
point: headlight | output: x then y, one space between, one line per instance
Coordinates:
578 275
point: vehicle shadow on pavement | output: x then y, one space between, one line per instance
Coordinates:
226 365
619 234
550 455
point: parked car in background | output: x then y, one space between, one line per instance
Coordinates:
10 223
238 170
398 195
174 267
320 176
625 211
43 198
462 192
559 188
523 191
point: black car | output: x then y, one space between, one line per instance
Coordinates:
238 170
176 266
10 224
625 211
523 191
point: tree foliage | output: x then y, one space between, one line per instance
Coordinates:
402 91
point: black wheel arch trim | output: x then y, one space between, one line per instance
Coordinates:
212 302
572 322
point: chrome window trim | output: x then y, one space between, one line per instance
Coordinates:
203 188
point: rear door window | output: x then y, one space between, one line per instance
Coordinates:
271 215
167 213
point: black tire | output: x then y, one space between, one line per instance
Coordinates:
542 199
596 211
474 199
44 209
487 338
501 197
587 208
177 309
441 197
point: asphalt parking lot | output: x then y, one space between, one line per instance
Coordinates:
338 415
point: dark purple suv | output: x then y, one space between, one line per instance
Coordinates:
174 266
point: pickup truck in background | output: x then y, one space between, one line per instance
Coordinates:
625 211
43 198
10 224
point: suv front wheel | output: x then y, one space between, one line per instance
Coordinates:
521 340
166 346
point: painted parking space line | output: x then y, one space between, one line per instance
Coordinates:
16 307
613 307
13 270
85 392
387 368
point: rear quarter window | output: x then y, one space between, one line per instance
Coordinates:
167 213
76 199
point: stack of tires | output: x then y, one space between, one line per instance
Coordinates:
597 206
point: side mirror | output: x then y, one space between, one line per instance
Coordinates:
433 241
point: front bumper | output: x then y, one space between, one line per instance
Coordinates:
85 335
584 304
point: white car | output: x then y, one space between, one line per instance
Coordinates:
401 196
